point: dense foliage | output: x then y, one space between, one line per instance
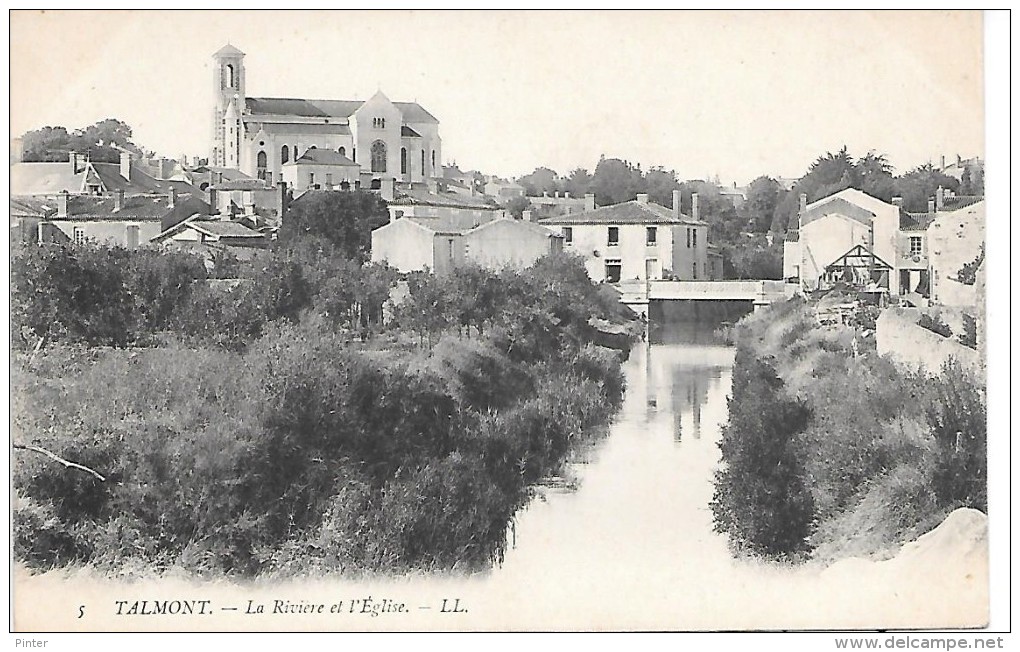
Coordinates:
256 437
103 141
849 454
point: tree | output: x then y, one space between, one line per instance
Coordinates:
517 206
616 181
578 183
540 181
103 140
762 199
336 219
760 500
660 184
920 184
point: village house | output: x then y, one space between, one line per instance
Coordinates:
27 213
855 238
502 190
443 244
426 201
322 169
117 219
79 175
555 205
955 239
260 135
637 240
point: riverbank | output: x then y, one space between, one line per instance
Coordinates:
286 449
872 455
632 548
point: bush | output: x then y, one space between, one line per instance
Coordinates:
935 324
760 499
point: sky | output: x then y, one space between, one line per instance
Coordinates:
736 94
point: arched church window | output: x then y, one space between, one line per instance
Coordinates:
342 151
262 162
433 159
423 163
229 70
403 160
378 156
284 154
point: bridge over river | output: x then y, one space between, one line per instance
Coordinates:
640 294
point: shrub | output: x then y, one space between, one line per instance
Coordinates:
935 324
760 499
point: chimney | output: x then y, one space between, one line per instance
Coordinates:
72 158
388 189
212 201
173 197
676 204
545 193
897 201
940 198
526 216
125 165
803 203
557 194
118 200
62 204
695 208
281 199
566 194
589 201
642 198
931 204
942 162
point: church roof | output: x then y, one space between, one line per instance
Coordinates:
411 111
228 50
629 212
317 156
285 128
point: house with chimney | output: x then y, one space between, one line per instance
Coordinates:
853 238
637 239
116 218
79 175
555 205
428 201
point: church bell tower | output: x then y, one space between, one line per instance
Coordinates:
228 78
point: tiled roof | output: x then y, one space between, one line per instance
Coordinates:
411 111
317 156
793 235
960 201
916 221
520 224
135 208
223 228
420 197
32 206
241 184
631 212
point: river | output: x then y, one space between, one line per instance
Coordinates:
630 546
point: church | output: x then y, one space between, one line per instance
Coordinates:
265 137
